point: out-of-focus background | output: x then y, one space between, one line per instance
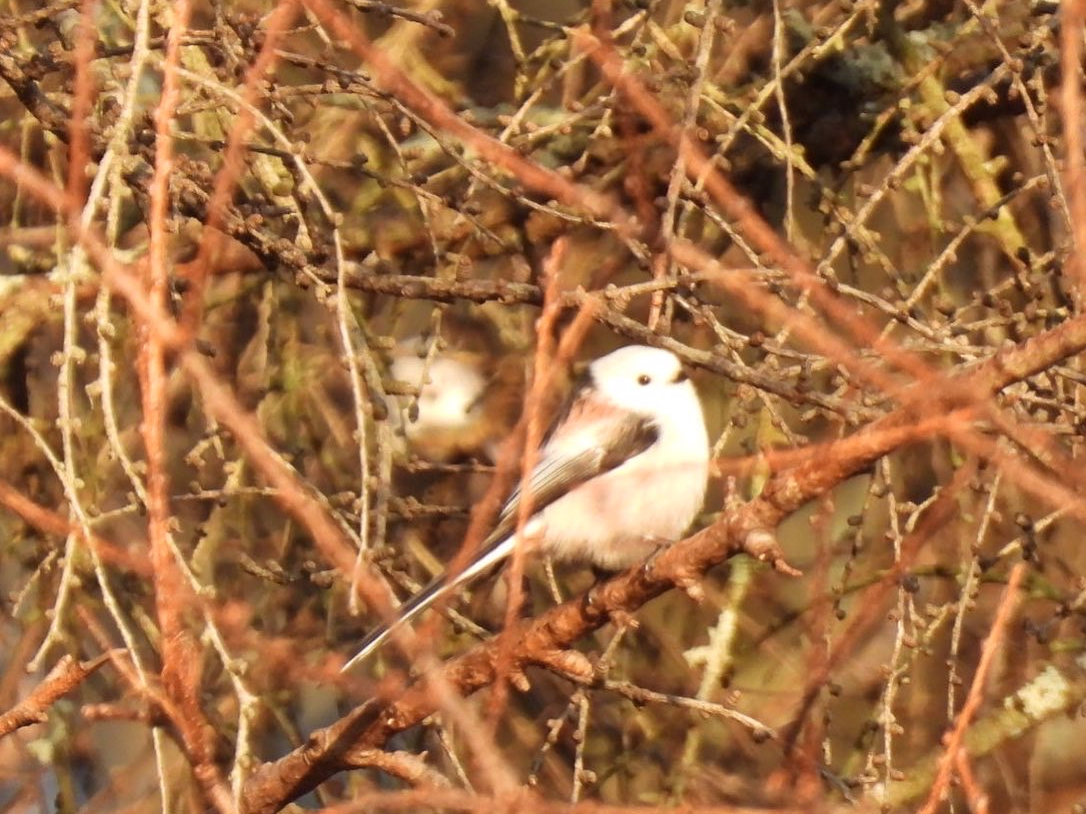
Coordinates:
361 271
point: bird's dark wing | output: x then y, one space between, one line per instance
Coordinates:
603 438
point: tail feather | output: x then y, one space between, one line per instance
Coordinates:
413 607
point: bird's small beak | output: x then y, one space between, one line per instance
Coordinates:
682 375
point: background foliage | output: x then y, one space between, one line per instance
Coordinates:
222 222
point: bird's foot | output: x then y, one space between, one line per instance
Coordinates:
659 546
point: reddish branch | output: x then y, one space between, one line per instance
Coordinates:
83 98
520 799
179 651
955 740
50 522
548 361
227 177
66 675
1074 18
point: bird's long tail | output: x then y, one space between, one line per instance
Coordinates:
490 555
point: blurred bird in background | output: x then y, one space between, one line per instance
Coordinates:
446 418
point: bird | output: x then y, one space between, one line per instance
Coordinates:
622 471
448 416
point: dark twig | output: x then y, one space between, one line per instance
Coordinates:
430 19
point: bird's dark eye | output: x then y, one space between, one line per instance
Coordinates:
644 379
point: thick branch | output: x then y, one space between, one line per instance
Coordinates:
66 675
